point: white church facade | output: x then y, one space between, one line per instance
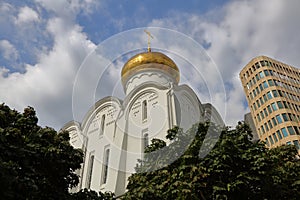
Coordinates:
114 132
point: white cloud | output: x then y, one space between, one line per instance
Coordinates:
235 33
48 84
26 15
238 32
69 8
8 51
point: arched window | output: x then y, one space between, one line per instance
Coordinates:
105 165
144 110
90 171
102 124
145 140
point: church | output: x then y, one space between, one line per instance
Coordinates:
114 132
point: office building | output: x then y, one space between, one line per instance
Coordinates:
272 90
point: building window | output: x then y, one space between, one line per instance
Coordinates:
261 101
261 74
279 134
261 87
280 93
275 137
265 111
269 109
271 72
257 90
102 124
265 98
274 106
285 117
291 130
267 142
297 145
280 105
257 77
145 140
262 115
265 84
257 102
254 106
279 120
285 104
262 130
258 117
284 132
105 165
296 129
270 124
266 72
144 110
271 139
274 121
275 93
90 171
269 95
271 83
266 126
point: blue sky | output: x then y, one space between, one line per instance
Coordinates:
44 42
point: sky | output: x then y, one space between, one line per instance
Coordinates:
47 46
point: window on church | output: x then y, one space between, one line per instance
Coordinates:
90 171
144 110
102 124
145 140
105 165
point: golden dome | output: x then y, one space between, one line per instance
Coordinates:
139 63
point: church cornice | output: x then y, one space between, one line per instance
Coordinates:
97 107
70 124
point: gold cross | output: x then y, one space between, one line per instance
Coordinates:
149 37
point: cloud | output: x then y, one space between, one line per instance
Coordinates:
8 51
69 8
26 15
48 84
238 32
232 36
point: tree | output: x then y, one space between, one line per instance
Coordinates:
86 194
35 162
235 168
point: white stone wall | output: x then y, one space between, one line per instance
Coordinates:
125 127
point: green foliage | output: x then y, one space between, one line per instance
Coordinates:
235 168
92 195
35 162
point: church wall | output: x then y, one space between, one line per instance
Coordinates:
113 134
77 141
142 129
188 107
99 131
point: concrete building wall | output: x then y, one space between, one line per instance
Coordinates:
249 120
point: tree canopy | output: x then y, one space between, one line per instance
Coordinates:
39 163
35 162
235 168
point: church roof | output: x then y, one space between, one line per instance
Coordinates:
139 63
